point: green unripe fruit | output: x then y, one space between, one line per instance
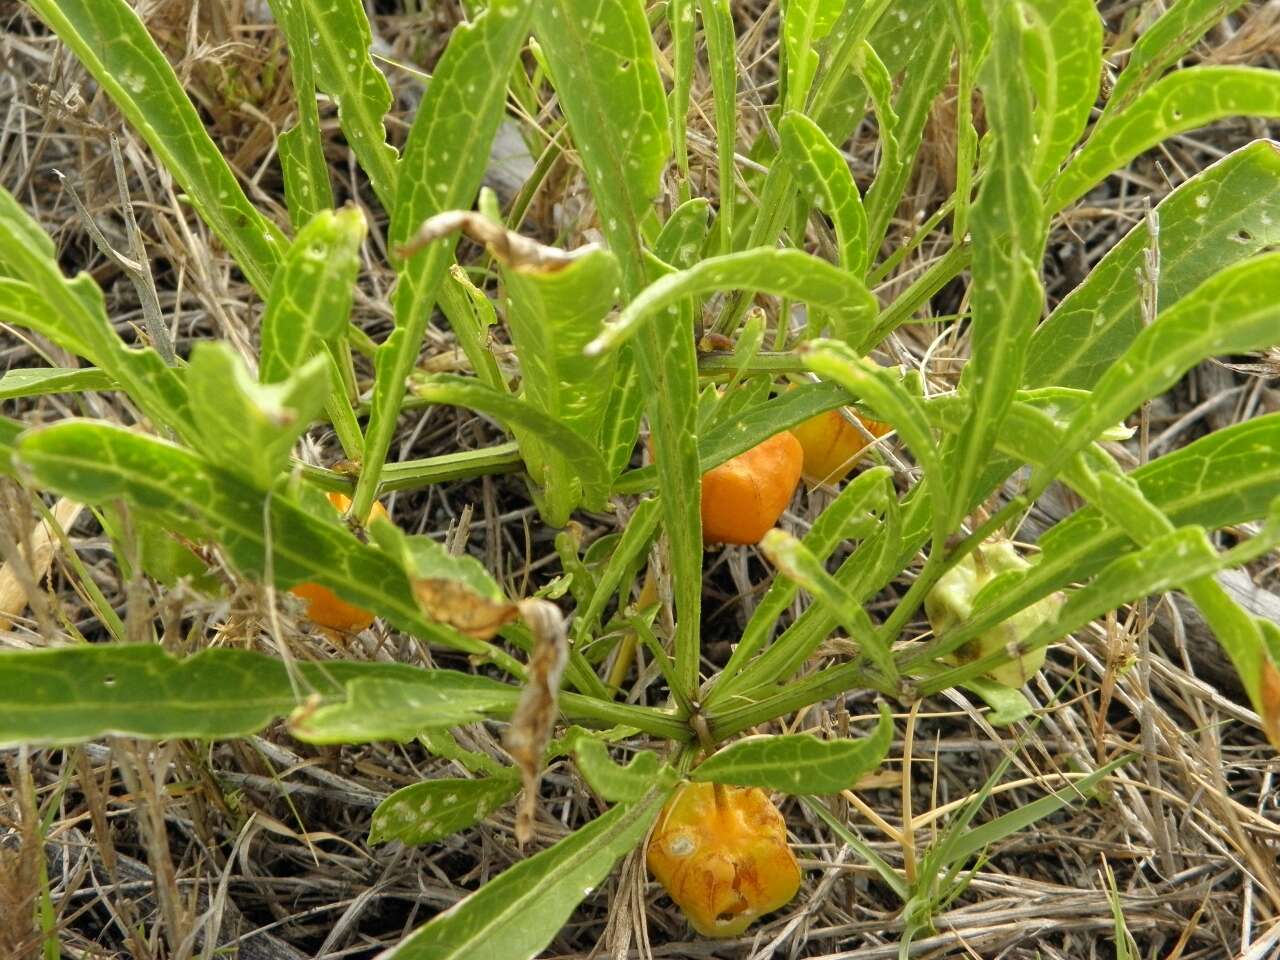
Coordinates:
951 602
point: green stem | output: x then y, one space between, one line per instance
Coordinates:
415 474
823 685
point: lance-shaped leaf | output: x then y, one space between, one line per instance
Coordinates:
799 763
1181 101
615 783
73 314
824 174
97 463
804 23
337 36
306 172
310 300
70 694
434 809
1236 311
246 428
722 58
394 709
781 273
41 381
1162 43
515 915
1226 213
444 161
1063 58
1009 226
109 39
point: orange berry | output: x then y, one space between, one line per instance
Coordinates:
723 859
324 607
744 497
831 444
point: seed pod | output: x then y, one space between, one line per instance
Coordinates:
324 607
950 602
744 497
722 854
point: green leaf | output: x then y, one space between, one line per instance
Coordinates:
1235 311
602 63
67 694
627 556
42 381
443 164
339 39
1007 704
109 39
394 709
1162 43
1063 59
782 273
517 914
824 174
799 763
681 23
470 393
310 300
306 172
73 314
618 784
804 22
1226 213
722 59
434 809
245 428
1009 227
552 317
1181 101
97 463
470 313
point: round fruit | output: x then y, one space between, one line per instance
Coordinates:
722 854
832 444
744 497
324 607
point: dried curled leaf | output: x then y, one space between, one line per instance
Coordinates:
513 250
535 714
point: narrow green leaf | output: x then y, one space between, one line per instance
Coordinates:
1181 101
68 694
1009 227
339 39
822 171
246 428
681 23
804 23
444 161
41 381
602 62
512 411
97 463
470 313
1222 215
619 784
799 763
112 43
515 915
1063 59
1162 43
722 58
310 300
434 809
1235 311
782 273
306 172
394 709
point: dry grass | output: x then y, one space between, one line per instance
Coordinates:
179 849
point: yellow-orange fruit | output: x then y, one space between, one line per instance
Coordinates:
723 859
324 607
831 444
744 497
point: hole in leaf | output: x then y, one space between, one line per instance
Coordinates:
109 680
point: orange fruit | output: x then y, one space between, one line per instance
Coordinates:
831 444
722 855
324 607
744 497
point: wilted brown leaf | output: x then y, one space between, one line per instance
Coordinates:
454 603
